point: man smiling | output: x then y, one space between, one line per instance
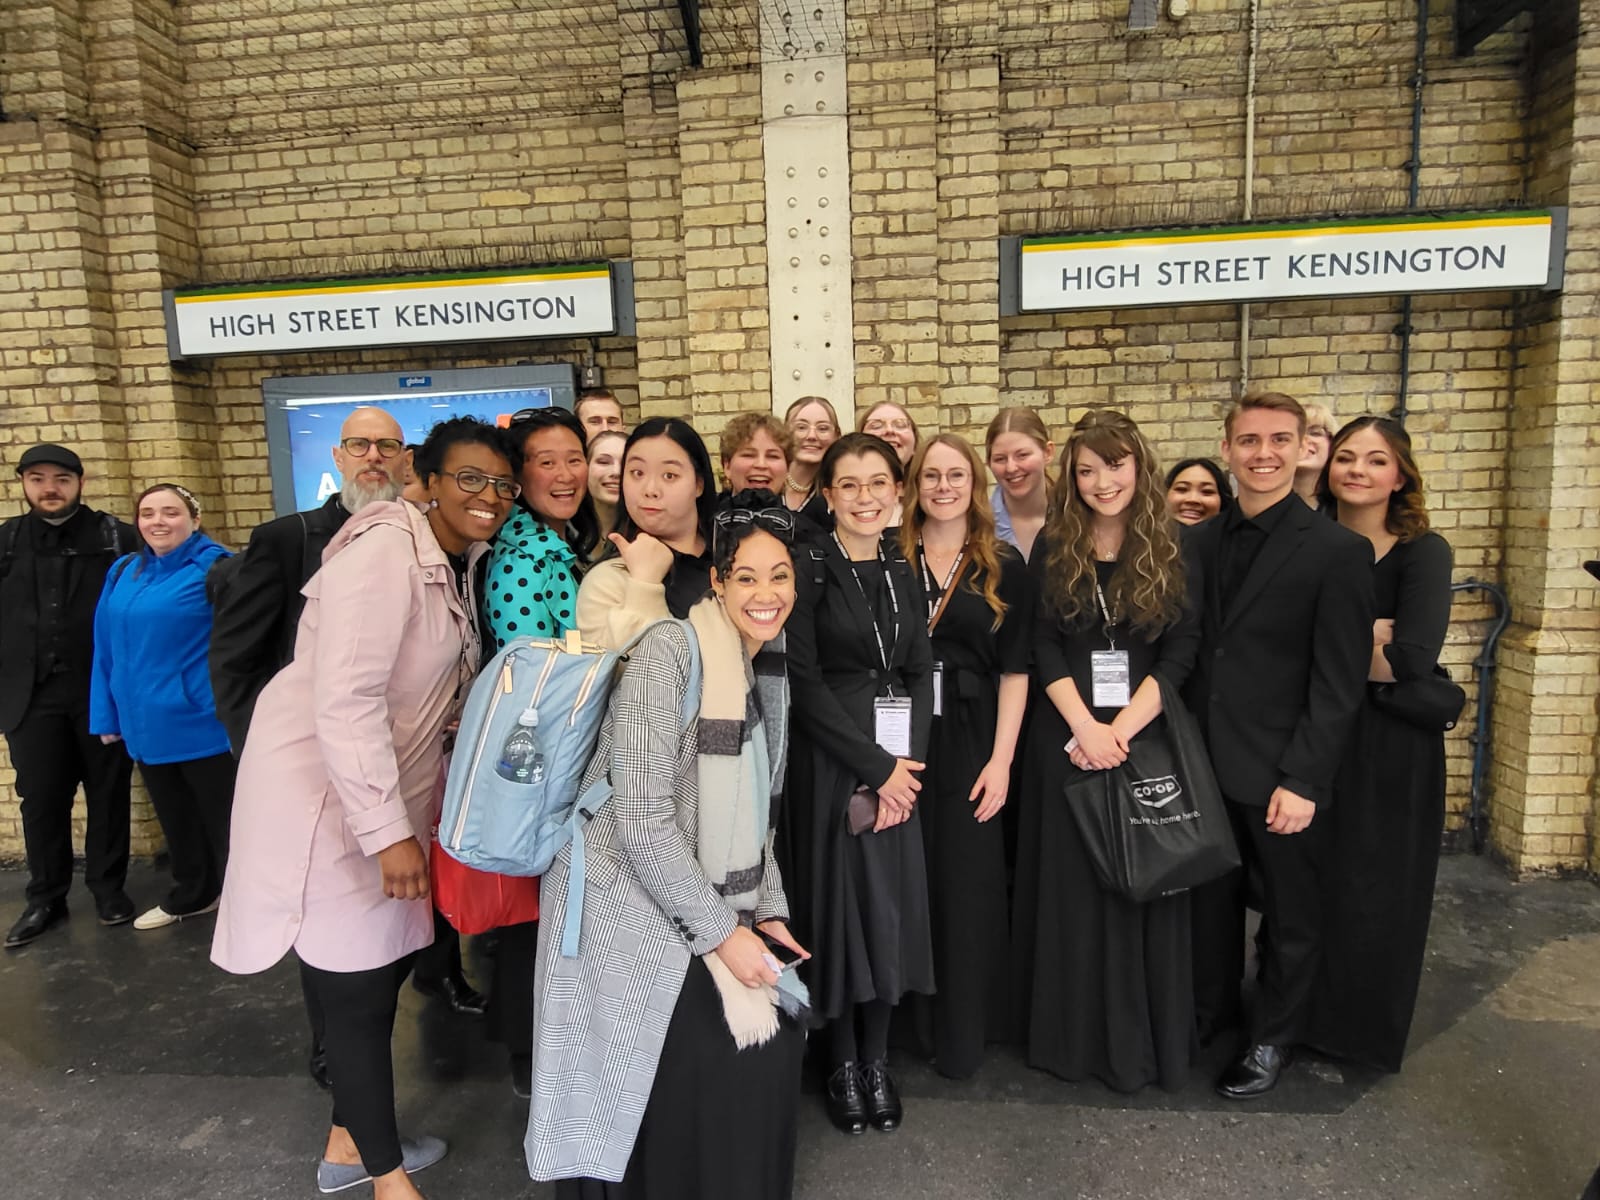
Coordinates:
1287 637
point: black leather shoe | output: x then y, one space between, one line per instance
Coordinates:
883 1098
522 1076
319 1066
115 909
454 991
34 921
847 1102
1256 1073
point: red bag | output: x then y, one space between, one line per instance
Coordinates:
475 901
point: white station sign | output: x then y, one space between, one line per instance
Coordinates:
1362 257
536 302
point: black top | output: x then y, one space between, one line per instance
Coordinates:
1242 539
834 668
256 612
966 640
50 581
687 582
1411 586
1062 650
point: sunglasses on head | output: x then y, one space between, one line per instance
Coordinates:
778 521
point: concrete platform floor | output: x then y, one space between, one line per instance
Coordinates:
130 1068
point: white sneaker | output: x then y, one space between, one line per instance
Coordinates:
160 918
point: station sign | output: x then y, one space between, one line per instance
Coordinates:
1455 252
571 300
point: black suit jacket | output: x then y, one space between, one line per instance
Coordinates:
1282 673
94 541
256 614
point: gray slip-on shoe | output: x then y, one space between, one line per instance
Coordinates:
416 1154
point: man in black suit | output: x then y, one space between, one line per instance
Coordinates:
1281 674
53 563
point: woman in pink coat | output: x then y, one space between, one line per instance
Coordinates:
336 787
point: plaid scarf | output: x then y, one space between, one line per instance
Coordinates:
744 713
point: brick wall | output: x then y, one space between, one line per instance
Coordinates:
223 141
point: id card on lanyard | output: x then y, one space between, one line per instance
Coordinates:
891 714
1109 672
936 611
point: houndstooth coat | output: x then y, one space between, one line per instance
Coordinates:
600 1019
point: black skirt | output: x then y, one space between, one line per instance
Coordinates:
720 1121
1387 823
1104 986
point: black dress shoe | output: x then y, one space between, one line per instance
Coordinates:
883 1098
33 922
1256 1073
318 1064
115 909
454 991
847 1101
522 1076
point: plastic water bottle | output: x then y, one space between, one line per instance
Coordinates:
521 758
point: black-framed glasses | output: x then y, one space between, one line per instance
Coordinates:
779 521
472 482
387 447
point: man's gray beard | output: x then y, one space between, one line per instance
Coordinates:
356 495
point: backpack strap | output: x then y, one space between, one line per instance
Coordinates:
118 568
598 792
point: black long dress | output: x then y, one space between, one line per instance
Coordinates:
859 902
1104 985
1388 819
967 884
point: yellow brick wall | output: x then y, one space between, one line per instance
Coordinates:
234 140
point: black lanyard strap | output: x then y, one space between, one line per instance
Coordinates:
872 609
1105 614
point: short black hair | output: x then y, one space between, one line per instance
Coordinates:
1210 465
463 431
582 533
692 444
859 443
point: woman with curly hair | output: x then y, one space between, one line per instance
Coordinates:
980 619
1104 982
1389 790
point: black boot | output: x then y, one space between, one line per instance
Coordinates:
847 1104
883 1098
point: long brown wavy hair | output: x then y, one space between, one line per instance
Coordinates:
1407 517
982 544
1147 588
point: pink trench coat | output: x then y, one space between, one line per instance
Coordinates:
344 754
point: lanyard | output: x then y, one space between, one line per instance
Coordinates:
1105 614
937 600
894 604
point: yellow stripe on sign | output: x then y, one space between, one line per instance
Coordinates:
1258 234
346 289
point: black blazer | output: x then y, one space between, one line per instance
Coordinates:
256 612
834 679
94 540
1281 674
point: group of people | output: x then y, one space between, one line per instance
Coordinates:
901 669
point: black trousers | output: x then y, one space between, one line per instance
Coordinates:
193 801
53 753
434 963
1289 867
358 1010
510 1010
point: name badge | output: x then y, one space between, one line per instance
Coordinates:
1108 673
938 689
891 725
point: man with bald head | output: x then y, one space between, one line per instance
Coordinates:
256 601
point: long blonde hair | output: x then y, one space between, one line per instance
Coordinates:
1147 588
982 544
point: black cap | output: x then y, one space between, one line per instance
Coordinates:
55 456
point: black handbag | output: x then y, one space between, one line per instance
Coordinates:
1156 825
1432 703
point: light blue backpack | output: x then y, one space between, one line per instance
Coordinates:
528 731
